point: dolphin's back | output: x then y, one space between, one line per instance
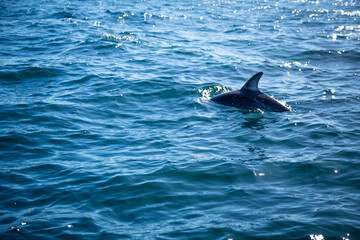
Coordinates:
237 99
250 97
272 104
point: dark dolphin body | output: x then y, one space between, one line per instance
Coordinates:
250 97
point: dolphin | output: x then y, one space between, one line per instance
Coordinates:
251 98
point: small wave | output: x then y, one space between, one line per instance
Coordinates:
30 73
63 14
348 13
299 66
351 56
209 92
121 38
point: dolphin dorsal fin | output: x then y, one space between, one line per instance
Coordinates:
252 83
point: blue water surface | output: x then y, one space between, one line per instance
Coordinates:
107 131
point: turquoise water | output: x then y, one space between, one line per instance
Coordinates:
107 131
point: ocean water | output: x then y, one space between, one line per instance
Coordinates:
107 131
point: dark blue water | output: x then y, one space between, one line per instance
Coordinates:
107 131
